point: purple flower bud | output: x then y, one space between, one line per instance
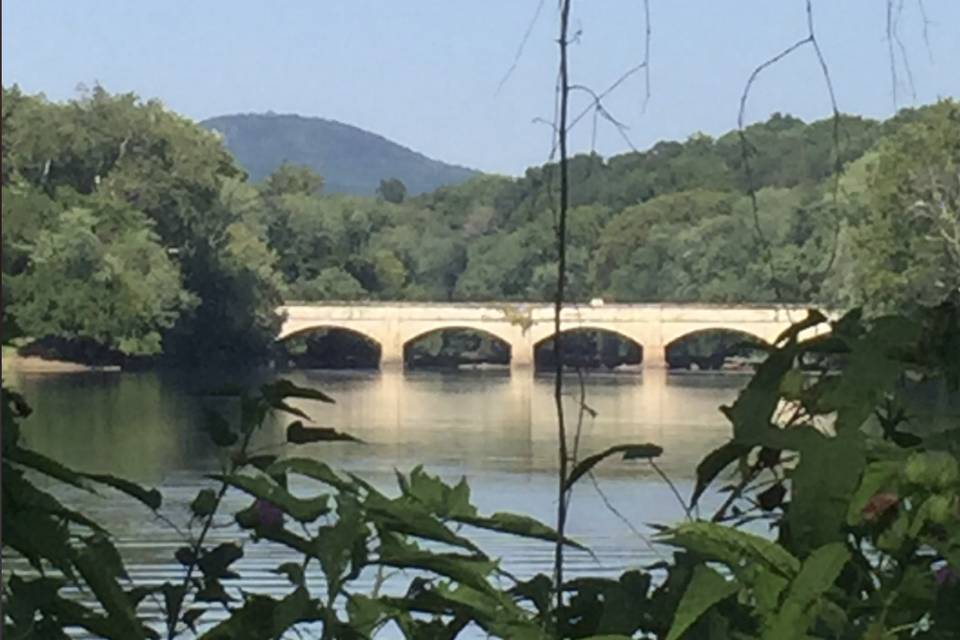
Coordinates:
268 514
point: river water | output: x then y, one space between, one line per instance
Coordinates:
496 429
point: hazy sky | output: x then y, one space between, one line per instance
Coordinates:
426 73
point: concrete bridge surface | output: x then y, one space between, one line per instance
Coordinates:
523 326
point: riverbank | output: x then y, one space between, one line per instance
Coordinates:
13 362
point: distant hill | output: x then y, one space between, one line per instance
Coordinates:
350 159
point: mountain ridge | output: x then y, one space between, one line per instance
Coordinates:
351 159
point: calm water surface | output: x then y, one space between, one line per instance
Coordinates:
496 429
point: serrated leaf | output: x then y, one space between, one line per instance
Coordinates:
469 570
731 546
215 563
265 617
263 487
517 525
149 497
45 465
311 468
403 515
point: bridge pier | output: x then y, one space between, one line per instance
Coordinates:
521 352
654 356
391 345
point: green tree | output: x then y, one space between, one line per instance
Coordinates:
903 248
119 149
392 190
292 178
100 276
332 283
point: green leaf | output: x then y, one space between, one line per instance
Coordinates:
311 468
293 572
98 564
280 405
265 617
469 570
800 606
263 487
287 389
706 588
517 525
216 562
204 503
713 465
438 497
37 536
149 497
630 451
67 613
45 465
732 547
822 485
877 477
213 591
261 462
191 616
219 429
403 515
538 589
297 433
18 493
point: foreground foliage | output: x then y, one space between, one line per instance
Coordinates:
830 448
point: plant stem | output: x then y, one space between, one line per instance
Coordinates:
563 493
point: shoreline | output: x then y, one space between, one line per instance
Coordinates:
15 363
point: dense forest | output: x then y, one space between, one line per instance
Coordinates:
130 231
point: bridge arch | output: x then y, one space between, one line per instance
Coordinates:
712 347
580 347
293 331
765 332
504 340
329 346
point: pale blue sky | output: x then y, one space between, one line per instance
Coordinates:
425 72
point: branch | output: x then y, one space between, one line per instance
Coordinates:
520 49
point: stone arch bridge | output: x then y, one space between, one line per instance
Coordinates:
522 326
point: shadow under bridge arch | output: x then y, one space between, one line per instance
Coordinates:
588 347
328 346
456 346
715 349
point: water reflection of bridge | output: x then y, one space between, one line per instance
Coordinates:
523 326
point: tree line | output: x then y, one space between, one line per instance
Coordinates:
130 232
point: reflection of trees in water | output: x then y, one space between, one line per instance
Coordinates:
714 349
590 350
452 348
329 349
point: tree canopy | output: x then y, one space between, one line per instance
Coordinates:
132 227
